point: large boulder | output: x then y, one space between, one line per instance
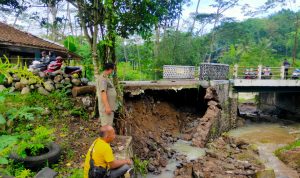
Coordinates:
43 91
42 74
49 86
57 78
76 82
84 81
24 81
2 87
25 90
19 86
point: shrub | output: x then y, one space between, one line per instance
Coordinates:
6 144
34 143
140 167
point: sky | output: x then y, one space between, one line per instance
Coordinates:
204 7
235 12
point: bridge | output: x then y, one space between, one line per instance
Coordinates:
252 79
242 79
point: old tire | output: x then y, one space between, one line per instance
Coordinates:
36 162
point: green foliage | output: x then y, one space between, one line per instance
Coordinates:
6 68
287 147
76 173
24 113
79 112
35 142
25 173
126 72
6 144
80 46
140 167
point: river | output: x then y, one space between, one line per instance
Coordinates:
268 137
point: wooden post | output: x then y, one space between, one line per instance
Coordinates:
282 72
235 71
259 72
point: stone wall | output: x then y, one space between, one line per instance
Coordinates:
283 104
210 71
220 116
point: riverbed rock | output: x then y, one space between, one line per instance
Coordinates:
25 90
268 173
49 86
43 91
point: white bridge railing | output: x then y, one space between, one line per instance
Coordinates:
262 72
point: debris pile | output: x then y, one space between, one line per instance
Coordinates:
225 157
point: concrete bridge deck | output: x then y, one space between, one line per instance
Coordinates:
138 86
266 85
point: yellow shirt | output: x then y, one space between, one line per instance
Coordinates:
102 155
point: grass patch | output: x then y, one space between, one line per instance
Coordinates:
287 147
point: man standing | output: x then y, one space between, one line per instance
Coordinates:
100 161
107 97
286 65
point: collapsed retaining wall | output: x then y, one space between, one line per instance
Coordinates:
157 118
220 116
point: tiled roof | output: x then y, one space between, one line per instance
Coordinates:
12 36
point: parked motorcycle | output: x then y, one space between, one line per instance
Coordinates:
39 65
296 74
73 70
266 73
55 65
250 74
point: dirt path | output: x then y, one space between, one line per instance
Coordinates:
266 152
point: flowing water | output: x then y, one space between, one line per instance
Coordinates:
268 137
182 147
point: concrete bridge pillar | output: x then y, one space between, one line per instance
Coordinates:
287 105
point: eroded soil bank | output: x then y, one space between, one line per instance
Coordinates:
160 120
156 119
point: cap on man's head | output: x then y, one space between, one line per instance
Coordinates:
108 66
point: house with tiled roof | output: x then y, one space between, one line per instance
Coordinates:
15 44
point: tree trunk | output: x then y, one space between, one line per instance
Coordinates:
69 18
156 48
54 27
296 41
194 20
213 37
